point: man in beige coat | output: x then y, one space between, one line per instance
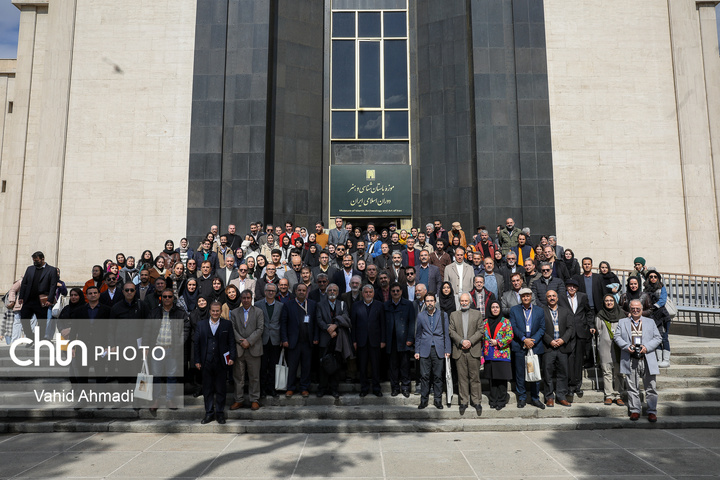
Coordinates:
248 323
466 335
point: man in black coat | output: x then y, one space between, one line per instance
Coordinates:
328 309
89 323
400 331
113 294
167 327
342 277
37 291
297 333
368 334
559 340
213 338
546 283
591 285
583 320
126 328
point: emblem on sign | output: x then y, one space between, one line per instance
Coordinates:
369 174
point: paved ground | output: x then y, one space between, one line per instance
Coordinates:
607 454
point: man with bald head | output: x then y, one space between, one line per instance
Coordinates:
559 340
508 236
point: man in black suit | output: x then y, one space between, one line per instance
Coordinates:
583 319
342 277
113 294
89 324
559 342
591 285
213 339
129 317
400 318
206 254
328 309
297 332
368 334
37 290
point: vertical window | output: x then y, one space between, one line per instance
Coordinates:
369 84
10 107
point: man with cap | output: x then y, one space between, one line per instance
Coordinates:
640 272
583 320
457 231
528 323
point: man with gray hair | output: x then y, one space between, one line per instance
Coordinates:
368 334
272 312
466 336
638 338
559 251
546 283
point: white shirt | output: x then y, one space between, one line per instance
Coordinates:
460 268
214 325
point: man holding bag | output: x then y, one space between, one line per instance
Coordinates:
528 323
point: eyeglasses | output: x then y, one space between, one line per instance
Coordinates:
129 290
410 273
396 290
546 270
167 296
242 270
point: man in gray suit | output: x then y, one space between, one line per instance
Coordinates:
272 310
466 335
432 346
248 324
242 282
338 235
638 337
460 274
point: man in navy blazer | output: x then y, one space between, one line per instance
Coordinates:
400 317
298 333
432 346
213 339
528 323
368 334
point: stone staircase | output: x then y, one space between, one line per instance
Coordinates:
689 398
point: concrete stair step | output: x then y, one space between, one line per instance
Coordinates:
368 426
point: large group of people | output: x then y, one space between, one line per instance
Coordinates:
359 304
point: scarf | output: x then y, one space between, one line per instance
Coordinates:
191 300
611 316
447 302
493 320
233 304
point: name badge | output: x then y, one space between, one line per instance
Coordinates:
557 328
307 318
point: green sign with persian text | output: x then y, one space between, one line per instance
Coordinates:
370 190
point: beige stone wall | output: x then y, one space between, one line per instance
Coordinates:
128 139
7 82
97 155
616 151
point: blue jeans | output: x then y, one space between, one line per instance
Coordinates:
167 368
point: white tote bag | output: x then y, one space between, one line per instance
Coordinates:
281 372
448 381
144 383
532 367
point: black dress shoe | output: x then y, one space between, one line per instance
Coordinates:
579 393
336 394
208 418
221 418
406 393
378 394
439 405
538 404
395 393
462 409
320 394
521 404
478 410
196 394
363 394
499 406
422 405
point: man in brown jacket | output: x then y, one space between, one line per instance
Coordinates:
466 334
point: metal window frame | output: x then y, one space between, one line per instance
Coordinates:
382 39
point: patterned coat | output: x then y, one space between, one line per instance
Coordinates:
504 336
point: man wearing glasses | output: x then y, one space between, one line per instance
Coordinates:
546 283
638 337
241 281
168 327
